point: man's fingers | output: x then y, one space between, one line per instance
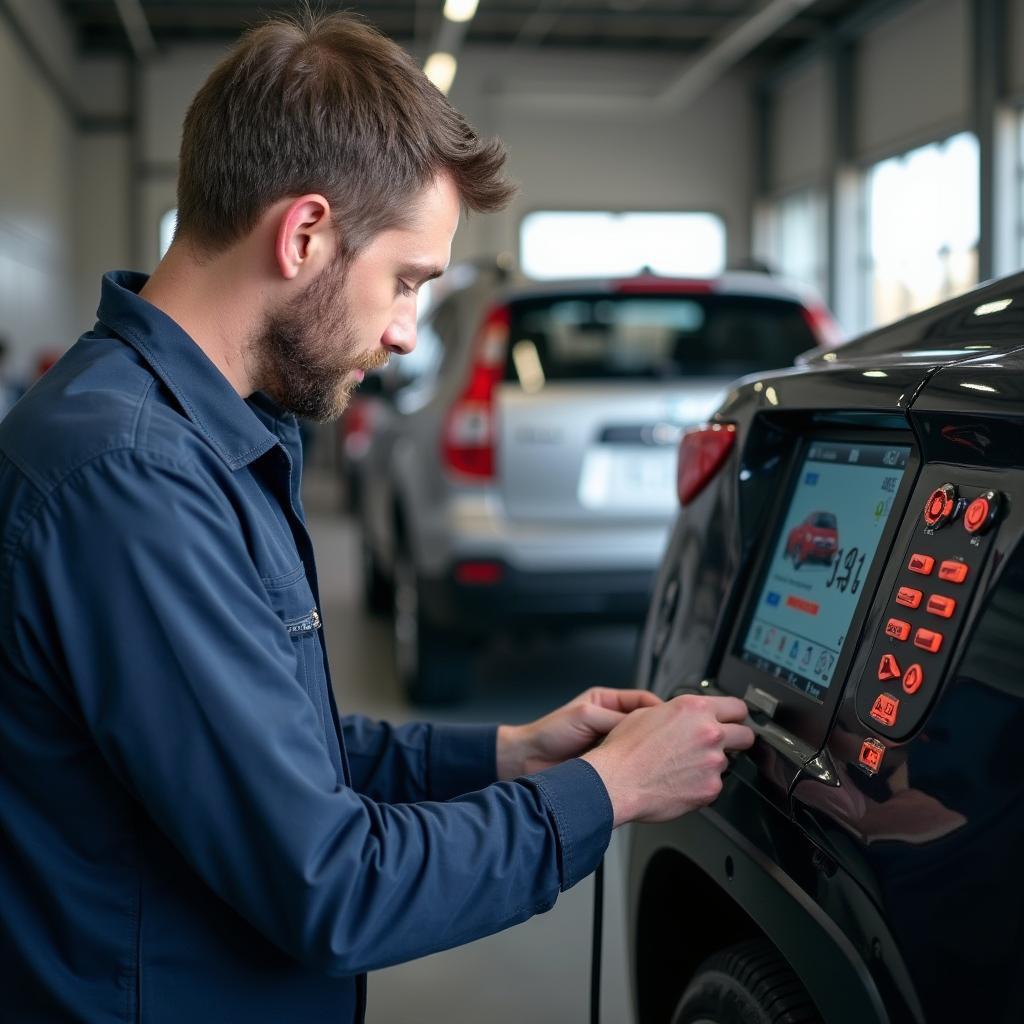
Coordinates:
600 720
737 737
623 700
728 709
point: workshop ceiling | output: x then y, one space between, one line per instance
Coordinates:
674 26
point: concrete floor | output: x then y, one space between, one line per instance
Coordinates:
540 970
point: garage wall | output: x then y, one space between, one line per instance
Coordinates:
800 122
583 132
103 188
37 160
912 78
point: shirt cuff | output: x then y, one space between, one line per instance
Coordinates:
462 759
582 812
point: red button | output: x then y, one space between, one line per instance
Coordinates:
938 509
928 640
908 597
942 606
871 754
913 678
888 668
921 564
897 629
953 572
885 709
976 515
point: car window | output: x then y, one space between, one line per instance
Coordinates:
419 368
652 336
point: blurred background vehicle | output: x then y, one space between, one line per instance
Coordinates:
517 471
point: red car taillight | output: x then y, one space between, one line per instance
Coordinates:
702 452
823 326
468 439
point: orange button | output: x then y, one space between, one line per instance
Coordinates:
888 668
953 572
897 629
942 606
928 640
976 515
913 678
908 597
885 708
871 754
921 564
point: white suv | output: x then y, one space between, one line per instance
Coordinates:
522 471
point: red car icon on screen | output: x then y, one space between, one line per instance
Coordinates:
816 539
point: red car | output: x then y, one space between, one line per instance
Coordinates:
816 539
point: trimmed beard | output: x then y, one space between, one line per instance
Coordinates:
308 349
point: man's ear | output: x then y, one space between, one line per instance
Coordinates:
305 236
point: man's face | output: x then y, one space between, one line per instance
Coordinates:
315 349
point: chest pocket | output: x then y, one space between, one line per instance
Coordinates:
292 599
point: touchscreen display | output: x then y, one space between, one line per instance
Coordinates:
820 559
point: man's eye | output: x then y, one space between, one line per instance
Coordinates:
405 289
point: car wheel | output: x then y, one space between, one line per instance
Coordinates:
746 984
799 557
378 590
434 665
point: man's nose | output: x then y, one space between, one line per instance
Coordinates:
400 336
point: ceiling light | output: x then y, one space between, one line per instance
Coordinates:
460 10
440 69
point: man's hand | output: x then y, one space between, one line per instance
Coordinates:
567 732
661 762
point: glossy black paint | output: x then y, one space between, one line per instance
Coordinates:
919 866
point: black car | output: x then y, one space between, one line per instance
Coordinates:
865 861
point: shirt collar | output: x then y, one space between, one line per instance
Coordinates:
235 430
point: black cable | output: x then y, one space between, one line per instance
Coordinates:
595 948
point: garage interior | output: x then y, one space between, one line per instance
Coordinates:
873 151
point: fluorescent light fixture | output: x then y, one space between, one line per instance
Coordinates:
979 387
440 69
460 10
992 307
875 373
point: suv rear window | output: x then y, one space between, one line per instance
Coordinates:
652 336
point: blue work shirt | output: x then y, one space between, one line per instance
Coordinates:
188 830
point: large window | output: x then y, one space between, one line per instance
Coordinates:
795 241
921 229
560 244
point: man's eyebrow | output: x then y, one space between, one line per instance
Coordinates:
422 272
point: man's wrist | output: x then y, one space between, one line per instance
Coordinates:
616 797
512 751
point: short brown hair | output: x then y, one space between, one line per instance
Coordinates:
324 104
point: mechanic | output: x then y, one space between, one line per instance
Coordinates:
190 832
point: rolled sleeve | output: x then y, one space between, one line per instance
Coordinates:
582 812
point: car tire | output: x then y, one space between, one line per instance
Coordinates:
434 665
378 590
749 983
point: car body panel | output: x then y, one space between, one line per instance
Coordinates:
584 452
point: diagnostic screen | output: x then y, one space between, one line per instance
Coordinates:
820 560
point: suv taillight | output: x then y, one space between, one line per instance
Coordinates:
823 326
467 446
702 452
